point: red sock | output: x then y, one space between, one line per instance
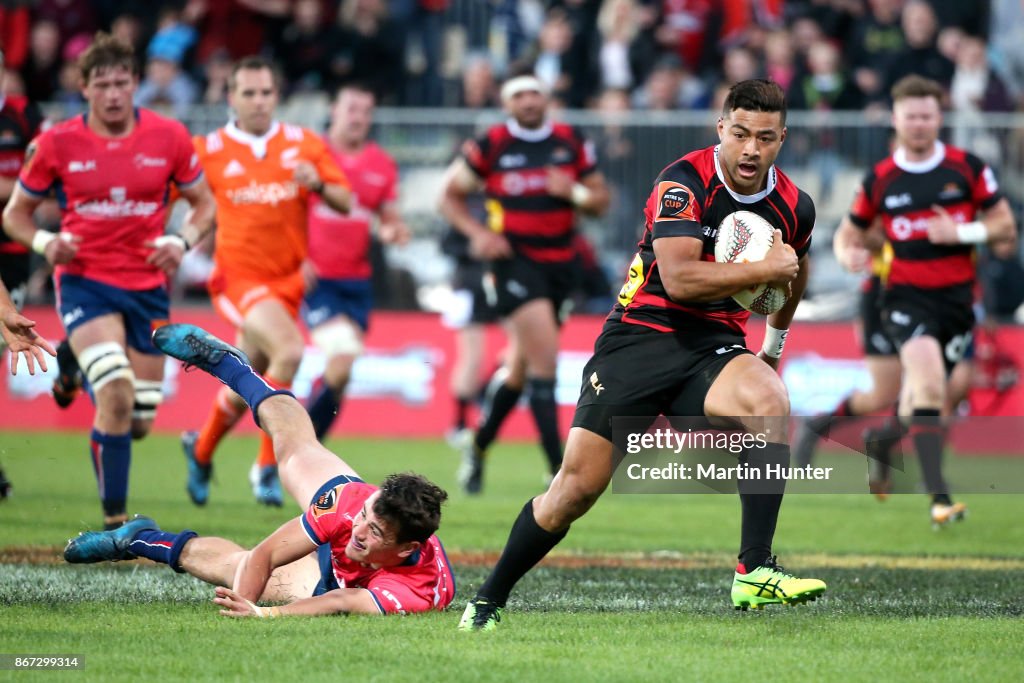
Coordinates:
223 416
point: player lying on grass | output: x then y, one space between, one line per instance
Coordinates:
357 548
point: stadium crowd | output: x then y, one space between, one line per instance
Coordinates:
660 54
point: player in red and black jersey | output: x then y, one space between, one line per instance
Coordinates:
675 345
19 123
535 174
936 203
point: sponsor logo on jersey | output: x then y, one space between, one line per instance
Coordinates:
118 206
264 193
895 201
905 228
951 191
71 316
326 503
511 160
596 384
81 166
391 596
290 158
675 202
561 156
514 184
143 161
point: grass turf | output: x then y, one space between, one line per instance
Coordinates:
905 603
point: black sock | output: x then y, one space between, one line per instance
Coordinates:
545 415
499 403
461 408
929 440
527 545
760 500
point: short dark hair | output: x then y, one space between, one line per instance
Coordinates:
357 87
253 63
106 52
756 94
916 86
412 504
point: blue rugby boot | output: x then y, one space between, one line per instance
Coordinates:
100 546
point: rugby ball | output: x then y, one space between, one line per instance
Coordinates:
744 237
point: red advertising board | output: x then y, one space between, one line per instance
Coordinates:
400 386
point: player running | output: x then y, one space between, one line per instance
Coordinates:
112 169
936 203
263 173
338 291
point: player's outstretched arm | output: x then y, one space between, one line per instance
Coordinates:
338 601
687 278
459 182
287 544
849 247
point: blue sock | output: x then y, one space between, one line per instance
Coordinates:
244 381
111 460
323 409
161 546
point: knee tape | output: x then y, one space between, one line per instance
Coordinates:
337 338
148 395
103 363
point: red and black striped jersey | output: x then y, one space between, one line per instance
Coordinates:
690 199
902 193
19 123
513 163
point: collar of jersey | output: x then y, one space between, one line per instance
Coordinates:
258 143
899 157
527 134
745 198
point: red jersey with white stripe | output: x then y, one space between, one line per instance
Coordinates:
112 192
902 193
690 199
513 162
424 583
339 244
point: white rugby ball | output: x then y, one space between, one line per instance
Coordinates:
744 237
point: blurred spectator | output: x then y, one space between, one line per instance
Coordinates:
165 87
696 30
239 26
626 51
970 17
827 86
740 64
975 86
1005 30
669 87
306 44
479 87
921 55
14 31
216 72
69 83
174 37
779 62
874 42
423 51
73 17
617 150
577 61
41 71
127 28
548 60
370 49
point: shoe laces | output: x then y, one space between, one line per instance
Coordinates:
773 565
484 612
199 349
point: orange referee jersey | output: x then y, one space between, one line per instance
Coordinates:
261 210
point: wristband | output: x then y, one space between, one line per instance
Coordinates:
580 194
170 239
41 239
972 233
774 341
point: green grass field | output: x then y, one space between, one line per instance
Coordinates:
637 591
